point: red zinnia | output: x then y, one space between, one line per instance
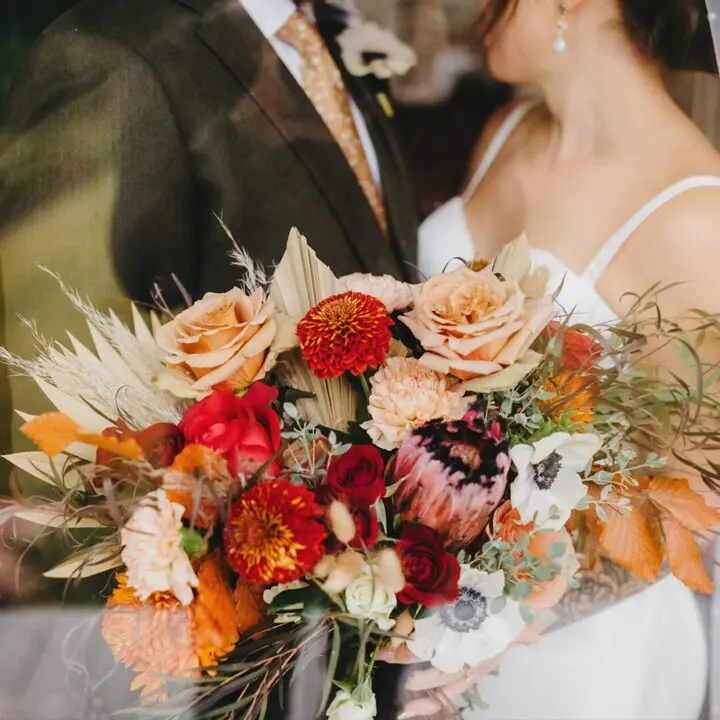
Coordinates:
345 332
275 533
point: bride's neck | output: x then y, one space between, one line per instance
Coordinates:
604 106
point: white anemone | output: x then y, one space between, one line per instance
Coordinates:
468 631
548 486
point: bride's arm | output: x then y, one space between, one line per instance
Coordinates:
688 252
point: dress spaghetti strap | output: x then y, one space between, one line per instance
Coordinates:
612 247
503 134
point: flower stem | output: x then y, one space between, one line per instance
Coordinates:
365 385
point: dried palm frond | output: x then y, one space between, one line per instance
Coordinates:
300 282
94 388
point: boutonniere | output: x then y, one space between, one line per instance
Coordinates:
368 49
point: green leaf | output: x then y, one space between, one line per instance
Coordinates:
522 589
291 411
292 599
390 490
498 604
526 613
557 550
542 574
193 543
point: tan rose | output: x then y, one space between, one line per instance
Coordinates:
224 340
472 324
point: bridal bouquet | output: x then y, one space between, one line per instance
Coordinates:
354 470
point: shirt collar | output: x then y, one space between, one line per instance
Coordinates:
269 15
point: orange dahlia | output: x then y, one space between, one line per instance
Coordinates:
349 332
573 398
161 638
275 533
154 638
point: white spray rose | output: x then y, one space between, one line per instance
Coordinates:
358 705
367 598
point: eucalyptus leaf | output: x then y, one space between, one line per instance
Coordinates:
291 411
522 589
526 613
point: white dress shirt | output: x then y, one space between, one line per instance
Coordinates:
270 16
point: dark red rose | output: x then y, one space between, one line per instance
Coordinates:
431 573
367 527
357 475
160 444
244 430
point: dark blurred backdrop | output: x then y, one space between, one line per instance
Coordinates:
21 21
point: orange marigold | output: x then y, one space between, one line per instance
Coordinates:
573 398
215 615
275 533
346 332
161 638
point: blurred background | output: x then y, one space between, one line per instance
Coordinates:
441 105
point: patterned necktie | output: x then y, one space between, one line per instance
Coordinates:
323 84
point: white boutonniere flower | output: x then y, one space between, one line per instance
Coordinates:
368 49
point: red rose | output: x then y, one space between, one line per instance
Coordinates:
160 444
244 430
357 475
367 527
431 573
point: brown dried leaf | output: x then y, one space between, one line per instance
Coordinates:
633 540
684 556
675 496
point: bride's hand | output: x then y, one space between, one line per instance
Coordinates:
432 692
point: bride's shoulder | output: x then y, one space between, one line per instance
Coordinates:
681 243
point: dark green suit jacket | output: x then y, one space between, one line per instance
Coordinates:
133 124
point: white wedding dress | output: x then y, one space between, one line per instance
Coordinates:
644 658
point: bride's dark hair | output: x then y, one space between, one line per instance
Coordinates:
676 33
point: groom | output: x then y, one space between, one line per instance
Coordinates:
199 110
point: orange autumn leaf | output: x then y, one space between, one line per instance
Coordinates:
684 556
198 458
633 541
249 604
128 449
675 496
51 432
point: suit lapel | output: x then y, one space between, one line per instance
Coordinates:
231 34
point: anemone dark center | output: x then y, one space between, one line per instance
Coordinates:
546 471
467 613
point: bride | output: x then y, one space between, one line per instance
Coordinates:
616 190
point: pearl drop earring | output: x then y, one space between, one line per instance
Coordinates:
560 44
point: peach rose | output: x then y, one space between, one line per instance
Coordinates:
473 324
507 527
223 340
